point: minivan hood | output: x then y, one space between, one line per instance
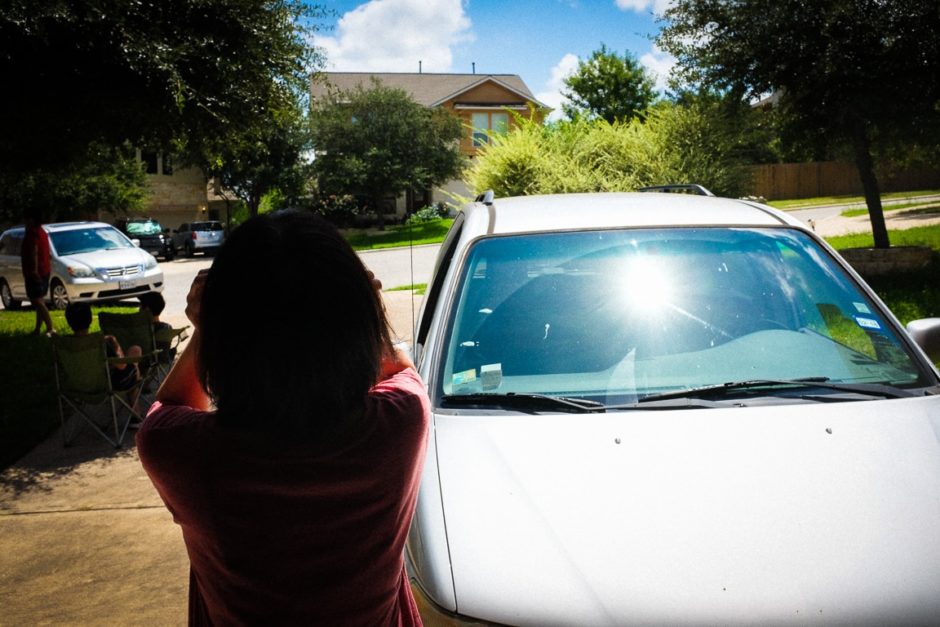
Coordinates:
824 512
112 258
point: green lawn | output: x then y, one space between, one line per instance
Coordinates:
417 288
399 235
801 203
913 207
29 411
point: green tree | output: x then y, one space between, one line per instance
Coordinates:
105 178
858 69
608 86
378 142
271 157
175 76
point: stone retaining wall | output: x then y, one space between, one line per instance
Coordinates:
881 261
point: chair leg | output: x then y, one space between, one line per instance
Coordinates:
66 440
88 419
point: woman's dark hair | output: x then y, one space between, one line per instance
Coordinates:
292 330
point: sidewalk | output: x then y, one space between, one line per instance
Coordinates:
85 540
835 224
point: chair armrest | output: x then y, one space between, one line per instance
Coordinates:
126 360
171 336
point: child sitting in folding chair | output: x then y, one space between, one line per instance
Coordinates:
155 304
123 376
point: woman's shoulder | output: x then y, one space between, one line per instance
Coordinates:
402 395
174 423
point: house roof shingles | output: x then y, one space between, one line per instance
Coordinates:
428 89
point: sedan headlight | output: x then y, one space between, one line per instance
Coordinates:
150 263
80 271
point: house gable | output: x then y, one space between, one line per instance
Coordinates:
481 101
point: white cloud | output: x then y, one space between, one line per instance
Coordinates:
658 7
393 35
551 94
660 65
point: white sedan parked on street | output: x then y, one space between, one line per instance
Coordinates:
669 409
90 261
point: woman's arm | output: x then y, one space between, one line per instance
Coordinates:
182 386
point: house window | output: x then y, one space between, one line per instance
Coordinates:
150 162
486 124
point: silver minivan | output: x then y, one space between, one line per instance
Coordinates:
90 261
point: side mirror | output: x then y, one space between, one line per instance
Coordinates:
926 333
135 242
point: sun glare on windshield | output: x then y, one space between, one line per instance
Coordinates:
646 284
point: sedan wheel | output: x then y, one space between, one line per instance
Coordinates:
6 295
58 295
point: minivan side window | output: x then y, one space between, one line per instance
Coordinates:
10 244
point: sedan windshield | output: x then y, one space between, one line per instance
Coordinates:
616 316
78 241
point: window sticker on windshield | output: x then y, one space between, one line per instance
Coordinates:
862 308
491 375
867 323
465 377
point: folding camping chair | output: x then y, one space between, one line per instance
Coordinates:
82 379
168 340
135 329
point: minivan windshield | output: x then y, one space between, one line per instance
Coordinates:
616 316
76 241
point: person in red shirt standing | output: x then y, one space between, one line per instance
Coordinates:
288 438
36 268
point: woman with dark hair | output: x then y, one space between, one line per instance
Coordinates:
288 439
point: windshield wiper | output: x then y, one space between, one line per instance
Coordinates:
870 389
525 402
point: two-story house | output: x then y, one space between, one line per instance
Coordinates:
481 101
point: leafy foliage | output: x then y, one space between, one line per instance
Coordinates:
848 71
378 142
341 210
676 144
108 179
608 86
427 214
174 76
269 158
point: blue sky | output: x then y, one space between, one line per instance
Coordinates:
541 40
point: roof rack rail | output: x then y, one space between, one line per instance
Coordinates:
486 197
682 188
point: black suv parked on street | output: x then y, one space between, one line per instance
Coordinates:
152 237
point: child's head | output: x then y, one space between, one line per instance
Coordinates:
152 302
78 315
